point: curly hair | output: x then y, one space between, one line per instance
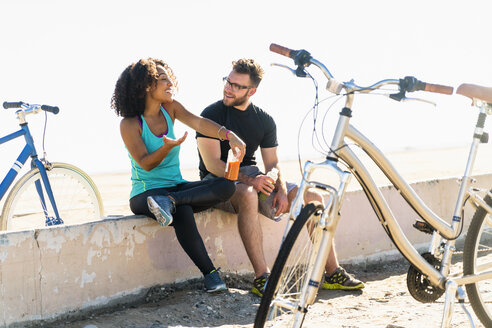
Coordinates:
128 99
250 67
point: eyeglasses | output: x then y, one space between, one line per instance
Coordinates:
234 86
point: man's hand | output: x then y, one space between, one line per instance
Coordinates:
264 184
280 202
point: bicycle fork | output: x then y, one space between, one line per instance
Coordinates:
49 221
328 222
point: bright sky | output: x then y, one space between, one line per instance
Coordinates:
70 54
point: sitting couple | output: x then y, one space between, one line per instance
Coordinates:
144 97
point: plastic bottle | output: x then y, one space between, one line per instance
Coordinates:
232 166
273 174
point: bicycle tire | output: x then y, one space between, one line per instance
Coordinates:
478 251
77 198
290 270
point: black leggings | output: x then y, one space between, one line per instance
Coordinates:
191 197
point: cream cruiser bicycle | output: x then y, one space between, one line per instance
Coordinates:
299 266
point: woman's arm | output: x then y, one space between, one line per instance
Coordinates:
208 127
131 134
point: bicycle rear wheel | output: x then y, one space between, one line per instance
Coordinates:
279 305
477 257
76 197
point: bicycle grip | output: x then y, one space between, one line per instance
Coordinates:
437 88
51 109
282 50
8 105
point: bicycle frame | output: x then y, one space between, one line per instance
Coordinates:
329 220
445 233
29 150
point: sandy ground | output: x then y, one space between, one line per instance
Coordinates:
385 302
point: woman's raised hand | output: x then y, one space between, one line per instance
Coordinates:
236 145
174 142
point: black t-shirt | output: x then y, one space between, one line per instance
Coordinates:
253 125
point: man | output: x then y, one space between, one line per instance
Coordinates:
257 129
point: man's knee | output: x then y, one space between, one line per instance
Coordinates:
312 195
245 198
292 194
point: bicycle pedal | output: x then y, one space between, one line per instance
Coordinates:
423 227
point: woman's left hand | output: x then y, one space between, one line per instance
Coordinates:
174 142
237 144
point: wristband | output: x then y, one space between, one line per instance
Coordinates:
218 133
227 132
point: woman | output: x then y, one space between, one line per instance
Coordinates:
143 96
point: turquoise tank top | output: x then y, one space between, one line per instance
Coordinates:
167 173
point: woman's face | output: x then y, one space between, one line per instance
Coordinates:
163 90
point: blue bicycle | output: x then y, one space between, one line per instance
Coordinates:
48 194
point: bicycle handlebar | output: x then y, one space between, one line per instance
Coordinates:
8 105
281 50
303 58
52 109
31 108
437 88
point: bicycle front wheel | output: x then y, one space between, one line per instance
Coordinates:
285 292
76 196
477 258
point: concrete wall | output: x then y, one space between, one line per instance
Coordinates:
48 273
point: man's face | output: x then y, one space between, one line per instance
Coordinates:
237 89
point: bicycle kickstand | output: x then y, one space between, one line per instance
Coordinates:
453 292
461 299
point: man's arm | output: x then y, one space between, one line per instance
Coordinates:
210 151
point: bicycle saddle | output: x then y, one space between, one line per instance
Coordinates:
475 91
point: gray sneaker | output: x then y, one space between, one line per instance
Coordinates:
213 282
163 208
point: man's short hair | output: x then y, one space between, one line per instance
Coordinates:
250 67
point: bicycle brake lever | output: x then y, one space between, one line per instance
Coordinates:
297 72
404 99
293 71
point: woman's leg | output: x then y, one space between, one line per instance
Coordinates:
138 203
204 194
184 226
200 195
190 239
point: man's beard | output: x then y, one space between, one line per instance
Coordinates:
236 101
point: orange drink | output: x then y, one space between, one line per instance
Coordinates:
232 170
232 166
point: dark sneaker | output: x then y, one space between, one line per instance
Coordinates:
213 282
259 284
340 279
163 208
